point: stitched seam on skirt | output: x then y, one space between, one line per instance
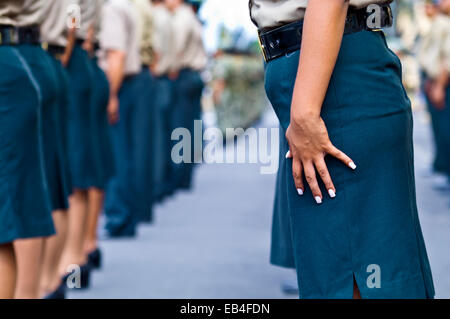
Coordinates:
350 248
39 117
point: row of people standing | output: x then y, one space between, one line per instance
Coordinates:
89 93
434 59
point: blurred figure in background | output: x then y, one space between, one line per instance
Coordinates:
162 60
189 59
434 59
129 112
144 129
58 35
103 159
27 92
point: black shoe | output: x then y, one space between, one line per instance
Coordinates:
58 294
85 275
95 259
107 234
290 288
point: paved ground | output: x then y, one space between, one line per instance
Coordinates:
214 241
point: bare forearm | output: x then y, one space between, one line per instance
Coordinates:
442 79
115 73
71 38
322 36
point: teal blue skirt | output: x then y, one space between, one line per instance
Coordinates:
81 148
62 120
46 71
102 151
25 210
373 223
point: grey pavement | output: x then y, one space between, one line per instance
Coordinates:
214 241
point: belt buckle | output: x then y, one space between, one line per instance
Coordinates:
262 47
14 36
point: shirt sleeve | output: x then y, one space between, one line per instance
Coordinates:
113 35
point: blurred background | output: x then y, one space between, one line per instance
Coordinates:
214 241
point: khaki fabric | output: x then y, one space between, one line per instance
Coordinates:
98 17
162 39
21 13
145 29
188 48
119 32
88 10
434 53
56 22
275 13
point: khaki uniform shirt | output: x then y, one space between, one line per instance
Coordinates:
162 39
56 22
275 13
22 13
119 32
88 10
188 49
145 29
98 18
434 55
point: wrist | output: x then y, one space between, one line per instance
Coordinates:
301 114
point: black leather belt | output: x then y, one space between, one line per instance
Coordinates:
286 39
79 41
56 51
10 35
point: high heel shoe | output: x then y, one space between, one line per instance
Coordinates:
95 259
58 294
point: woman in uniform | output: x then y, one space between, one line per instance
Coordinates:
434 57
100 138
355 231
59 41
81 149
162 41
189 59
26 89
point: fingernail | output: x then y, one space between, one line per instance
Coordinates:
352 165
332 193
318 199
300 191
288 154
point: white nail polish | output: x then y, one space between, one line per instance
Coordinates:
318 199
288 154
300 191
352 165
332 193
